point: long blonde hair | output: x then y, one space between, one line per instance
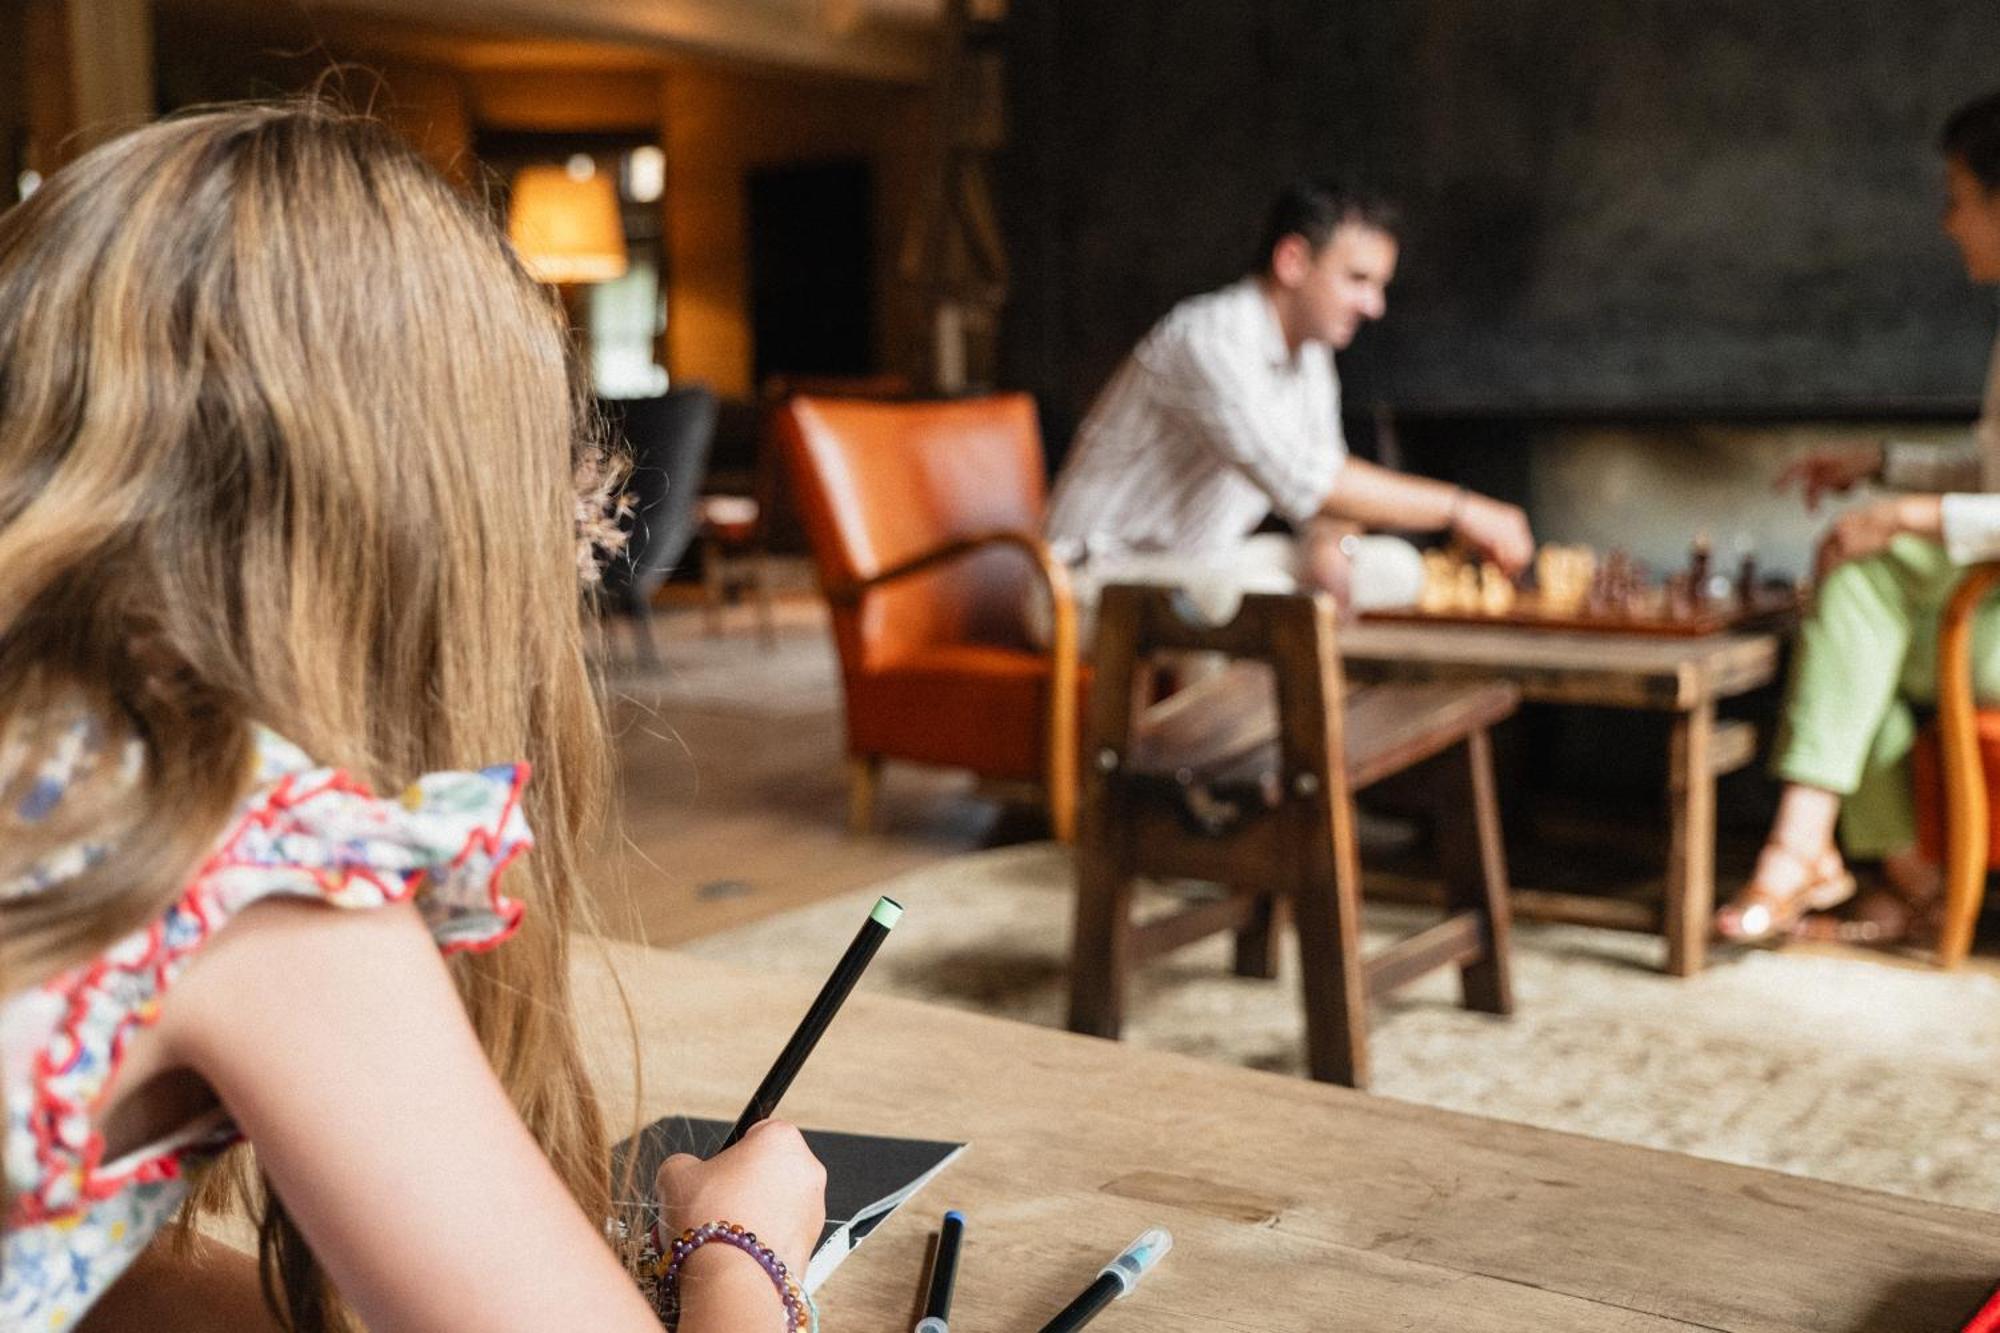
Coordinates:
287 437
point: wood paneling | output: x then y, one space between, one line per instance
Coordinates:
572 100
724 123
84 73
792 33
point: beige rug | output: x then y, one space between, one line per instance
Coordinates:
734 672
1842 1069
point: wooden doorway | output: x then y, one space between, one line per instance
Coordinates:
811 249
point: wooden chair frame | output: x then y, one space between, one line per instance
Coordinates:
1966 836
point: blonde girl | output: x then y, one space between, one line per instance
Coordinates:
288 526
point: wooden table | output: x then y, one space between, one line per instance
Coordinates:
1295 1206
1681 677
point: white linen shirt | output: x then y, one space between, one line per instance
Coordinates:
1209 425
1968 474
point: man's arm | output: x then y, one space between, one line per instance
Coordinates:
1377 497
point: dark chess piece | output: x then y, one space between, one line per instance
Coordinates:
1746 581
1697 574
1618 582
1637 584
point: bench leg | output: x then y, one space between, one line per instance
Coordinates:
864 775
1101 949
760 592
1327 917
1474 862
714 586
1690 887
1257 941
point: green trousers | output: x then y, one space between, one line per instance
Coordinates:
1866 653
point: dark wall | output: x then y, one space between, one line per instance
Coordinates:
1644 206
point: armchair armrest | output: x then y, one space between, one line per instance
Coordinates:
1061 651
1051 570
1965 797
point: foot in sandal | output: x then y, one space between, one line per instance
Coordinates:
1787 885
1903 909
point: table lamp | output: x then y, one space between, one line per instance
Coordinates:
564 223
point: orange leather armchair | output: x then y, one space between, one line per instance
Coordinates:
1966 747
924 520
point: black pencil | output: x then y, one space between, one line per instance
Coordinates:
764 1102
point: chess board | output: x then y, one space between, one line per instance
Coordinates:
1650 612
1572 588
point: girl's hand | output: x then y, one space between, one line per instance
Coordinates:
1837 469
1868 530
769 1183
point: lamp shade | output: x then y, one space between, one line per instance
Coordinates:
566 228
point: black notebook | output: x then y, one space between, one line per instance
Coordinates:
867 1178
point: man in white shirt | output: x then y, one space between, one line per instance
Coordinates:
1229 410
1868 649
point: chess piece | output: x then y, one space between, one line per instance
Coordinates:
1619 585
1682 596
1563 577
1697 575
1496 590
1440 583
1746 581
1597 597
1630 595
1465 589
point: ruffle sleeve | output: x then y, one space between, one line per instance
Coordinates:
446 840
305 832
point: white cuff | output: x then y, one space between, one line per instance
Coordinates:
1971 526
1899 463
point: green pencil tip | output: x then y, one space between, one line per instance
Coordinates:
888 912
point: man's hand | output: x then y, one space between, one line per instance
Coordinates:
1497 530
1377 497
1324 562
1868 530
1835 470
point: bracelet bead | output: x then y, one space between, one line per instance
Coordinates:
800 1314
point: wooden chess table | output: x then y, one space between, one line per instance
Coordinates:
1682 676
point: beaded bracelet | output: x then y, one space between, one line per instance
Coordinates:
801 1315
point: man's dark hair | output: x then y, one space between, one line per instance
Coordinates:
1316 209
1972 136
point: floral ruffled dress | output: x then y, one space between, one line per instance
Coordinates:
77 1221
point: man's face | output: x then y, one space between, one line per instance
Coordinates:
1334 289
1972 219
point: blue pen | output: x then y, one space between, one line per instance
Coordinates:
944 1270
1116 1280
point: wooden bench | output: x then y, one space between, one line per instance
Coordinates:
1233 781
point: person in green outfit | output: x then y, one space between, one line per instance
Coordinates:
1868 648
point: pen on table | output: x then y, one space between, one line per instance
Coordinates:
852 964
1115 1281
944 1269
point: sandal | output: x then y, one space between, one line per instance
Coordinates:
1888 915
1761 912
